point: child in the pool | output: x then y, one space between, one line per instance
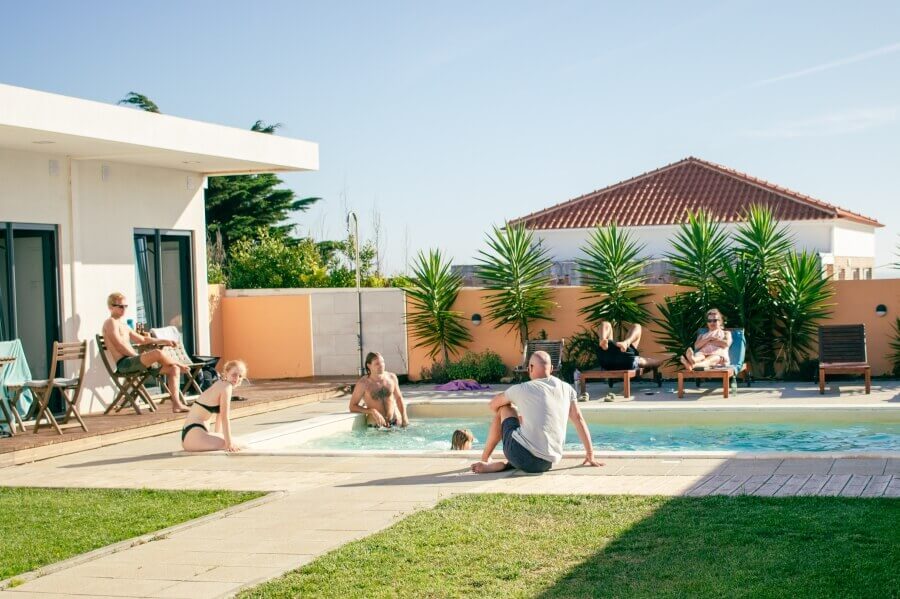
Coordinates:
461 440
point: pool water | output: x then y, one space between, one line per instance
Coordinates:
433 434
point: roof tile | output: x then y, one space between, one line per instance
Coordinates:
665 195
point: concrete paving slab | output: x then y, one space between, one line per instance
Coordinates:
858 466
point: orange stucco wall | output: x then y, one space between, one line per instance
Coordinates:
216 337
855 302
272 334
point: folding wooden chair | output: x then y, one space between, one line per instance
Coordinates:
131 387
554 348
69 387
842 350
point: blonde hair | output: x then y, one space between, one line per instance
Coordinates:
461 438
113 298
235 364
717 313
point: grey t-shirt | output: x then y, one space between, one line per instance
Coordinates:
543 405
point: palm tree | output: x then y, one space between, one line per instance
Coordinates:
517 271
803 302
262 127
749 283
700 251
432 293
140 101
613 275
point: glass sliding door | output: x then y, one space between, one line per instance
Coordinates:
165 281
29 294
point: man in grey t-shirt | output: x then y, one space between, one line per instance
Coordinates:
531 418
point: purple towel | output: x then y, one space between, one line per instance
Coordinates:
460 385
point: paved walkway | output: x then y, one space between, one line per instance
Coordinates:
329 501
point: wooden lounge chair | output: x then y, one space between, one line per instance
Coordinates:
842 350
554 348
737 354
69 387
131 387
614 375
190 388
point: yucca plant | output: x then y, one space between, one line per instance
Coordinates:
432 293
680 316
761 246
699 253
895 348
613 274
803 296
518 272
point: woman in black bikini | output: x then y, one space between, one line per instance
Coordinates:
195 436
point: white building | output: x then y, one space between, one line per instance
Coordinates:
96 198
652 205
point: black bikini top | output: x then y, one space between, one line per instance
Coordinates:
210 409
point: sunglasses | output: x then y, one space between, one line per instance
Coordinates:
712 320
123 306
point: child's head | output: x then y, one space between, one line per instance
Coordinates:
234 371
462 439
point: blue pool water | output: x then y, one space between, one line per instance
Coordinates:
433 434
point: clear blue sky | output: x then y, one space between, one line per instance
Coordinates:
452 116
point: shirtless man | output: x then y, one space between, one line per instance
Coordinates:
118 338
380 391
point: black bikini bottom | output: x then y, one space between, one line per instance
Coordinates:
185 430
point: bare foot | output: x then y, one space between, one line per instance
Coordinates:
687 365
689 354
179 408
622 346
486 467
604 344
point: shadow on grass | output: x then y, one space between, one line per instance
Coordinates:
748 546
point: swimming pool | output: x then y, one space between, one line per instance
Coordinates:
731 430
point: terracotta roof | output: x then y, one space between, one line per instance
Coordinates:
663 197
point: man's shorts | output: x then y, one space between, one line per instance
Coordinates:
130 365
518 456
613 358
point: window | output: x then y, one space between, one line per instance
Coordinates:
855 274
165 281
842 274
29 292
869 274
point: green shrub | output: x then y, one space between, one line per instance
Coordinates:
484 367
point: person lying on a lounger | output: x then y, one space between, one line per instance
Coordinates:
711 348
379 390
622 355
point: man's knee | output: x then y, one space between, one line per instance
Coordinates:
507 412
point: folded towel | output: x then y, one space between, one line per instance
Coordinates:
462 385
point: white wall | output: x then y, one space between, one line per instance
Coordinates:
565 244
334 329
96 219
853 240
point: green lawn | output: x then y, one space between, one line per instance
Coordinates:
42 526
621 546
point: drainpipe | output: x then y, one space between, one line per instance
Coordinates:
359 321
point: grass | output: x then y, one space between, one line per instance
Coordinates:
42 526
619 546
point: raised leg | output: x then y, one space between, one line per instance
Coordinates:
493 439
634 335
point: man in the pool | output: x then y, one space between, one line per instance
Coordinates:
379 390
534 443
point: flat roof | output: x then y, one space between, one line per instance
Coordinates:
37 121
